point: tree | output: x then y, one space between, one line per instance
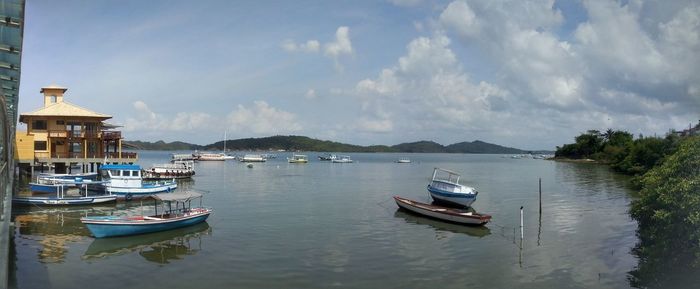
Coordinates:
668 213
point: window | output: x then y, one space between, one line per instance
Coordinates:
39 145
39 124
60 122
52 98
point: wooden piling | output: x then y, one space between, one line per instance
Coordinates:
540 198
521 223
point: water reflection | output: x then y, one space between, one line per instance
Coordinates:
53 228
161 247
440 226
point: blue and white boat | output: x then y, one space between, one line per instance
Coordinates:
126 182
170 217
55 183
445 188
64 193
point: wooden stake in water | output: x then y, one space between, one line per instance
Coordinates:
521 222
540 198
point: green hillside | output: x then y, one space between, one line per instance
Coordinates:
303 143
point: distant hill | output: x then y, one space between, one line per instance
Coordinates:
293 143
303 143
480 147
161 145
420 147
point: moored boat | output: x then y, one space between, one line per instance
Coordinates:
211 157
75 193
454 215
253 158
445 188
176 170
403 161
327 157
177 213
126 182
298 159
342 159
182 157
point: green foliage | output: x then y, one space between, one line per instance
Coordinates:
668 210
620 150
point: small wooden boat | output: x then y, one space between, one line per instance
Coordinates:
182 214
460 216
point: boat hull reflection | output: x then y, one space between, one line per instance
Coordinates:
161 247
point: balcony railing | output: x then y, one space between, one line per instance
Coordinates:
76 134
58 133
111 135
80 155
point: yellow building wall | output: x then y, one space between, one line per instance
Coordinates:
24 147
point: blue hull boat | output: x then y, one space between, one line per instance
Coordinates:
445 188
64 201
177 213
111 226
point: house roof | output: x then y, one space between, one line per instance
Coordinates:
63 109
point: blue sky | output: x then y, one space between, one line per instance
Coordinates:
528 74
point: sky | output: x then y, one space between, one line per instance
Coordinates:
525 74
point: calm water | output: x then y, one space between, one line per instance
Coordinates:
323 225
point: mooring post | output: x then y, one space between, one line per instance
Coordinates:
540 198
521 222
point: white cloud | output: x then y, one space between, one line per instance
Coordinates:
262 119
460 17
427 90
311 94
310 46
341 45
629 62
374 125
147 120
406 3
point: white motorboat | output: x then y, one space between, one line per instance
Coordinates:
445 188
342 159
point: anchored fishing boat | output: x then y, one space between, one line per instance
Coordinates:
126 182
176 211
460 216
445 188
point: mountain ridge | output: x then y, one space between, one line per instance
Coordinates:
303 143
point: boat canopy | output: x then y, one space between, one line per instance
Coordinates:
177 196
121 167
